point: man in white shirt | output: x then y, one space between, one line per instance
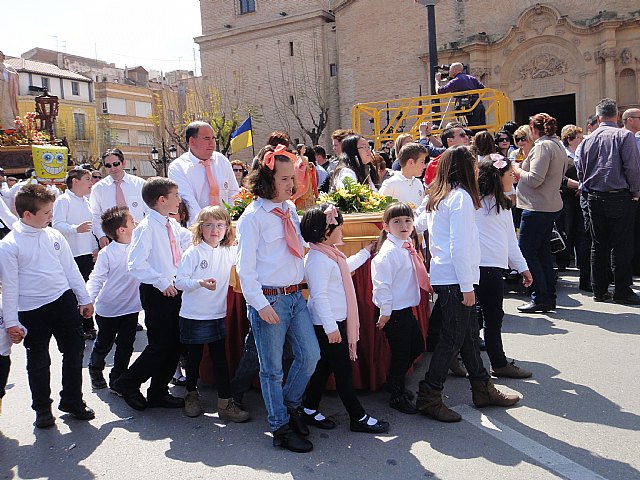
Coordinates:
406 185
204 176
117 189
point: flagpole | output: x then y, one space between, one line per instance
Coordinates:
253 144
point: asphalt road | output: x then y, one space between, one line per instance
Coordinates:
579 419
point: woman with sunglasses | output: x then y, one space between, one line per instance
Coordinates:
504 143
522 137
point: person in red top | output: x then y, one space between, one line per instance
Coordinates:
451 137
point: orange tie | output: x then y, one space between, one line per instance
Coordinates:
175 252
214 190
418 266
290 234
120 200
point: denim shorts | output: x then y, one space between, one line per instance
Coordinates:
199 332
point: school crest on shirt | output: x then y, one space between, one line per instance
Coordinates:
226 185
204 264
420 193
56 245
134 204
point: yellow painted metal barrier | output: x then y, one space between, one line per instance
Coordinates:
385 120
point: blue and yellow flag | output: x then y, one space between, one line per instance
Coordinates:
242 137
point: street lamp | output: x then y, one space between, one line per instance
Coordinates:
173 153
134 171
433 48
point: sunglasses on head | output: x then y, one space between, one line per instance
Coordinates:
114 164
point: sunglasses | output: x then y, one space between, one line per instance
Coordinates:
96 177
503 139
521 139
237 170
114 164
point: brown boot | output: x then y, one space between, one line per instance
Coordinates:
230 410
484 394
429 402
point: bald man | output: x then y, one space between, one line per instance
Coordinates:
461 82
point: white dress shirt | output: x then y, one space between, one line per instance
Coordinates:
498 242
198 263
6 216
395 285
454 242
37 268
111 287
327 300
5 339
191 177
69 211
403 189
103 197
263 256
150 258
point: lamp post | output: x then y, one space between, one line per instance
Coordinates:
173 153
47 111
433 48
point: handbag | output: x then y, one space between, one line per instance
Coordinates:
558 242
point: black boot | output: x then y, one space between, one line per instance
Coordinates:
286 438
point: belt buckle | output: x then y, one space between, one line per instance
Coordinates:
286 292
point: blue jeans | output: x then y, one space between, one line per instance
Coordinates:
296 327
535 244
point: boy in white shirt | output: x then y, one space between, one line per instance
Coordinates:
42 288
117 298
406 186
72 218
153 259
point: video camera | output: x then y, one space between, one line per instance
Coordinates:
444 70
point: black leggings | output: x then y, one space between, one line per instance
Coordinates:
5 365
219 362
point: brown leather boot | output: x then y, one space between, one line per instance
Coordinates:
484 394
429 402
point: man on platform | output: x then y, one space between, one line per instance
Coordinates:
204 176
461 82
608 164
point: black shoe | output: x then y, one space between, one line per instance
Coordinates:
80 411
132 396
483 345
44 419
165 400
97 379
585 287
362 426
632 299
533 307
403 404
286 438
139 328
90 334
297 423
324 424
180 381
602 297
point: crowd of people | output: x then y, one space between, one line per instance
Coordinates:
475 206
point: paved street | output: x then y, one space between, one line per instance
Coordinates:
579 419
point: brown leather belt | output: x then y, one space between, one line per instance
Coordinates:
284 290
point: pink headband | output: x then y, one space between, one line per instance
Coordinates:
331 213
269 160
498 161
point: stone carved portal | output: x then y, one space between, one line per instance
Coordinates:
542 66
541 70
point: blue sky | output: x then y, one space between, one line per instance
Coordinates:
155 34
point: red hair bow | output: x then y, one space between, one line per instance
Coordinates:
269 160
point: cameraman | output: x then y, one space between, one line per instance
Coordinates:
461 82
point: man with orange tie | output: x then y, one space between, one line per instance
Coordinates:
204 176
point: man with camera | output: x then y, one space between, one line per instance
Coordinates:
462 82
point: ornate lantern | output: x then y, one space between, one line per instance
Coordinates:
47 111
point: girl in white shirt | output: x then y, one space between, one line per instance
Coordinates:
455 257
355 163
498 251
334 312
398 273
203 276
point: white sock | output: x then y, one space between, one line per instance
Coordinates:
371 421
316 414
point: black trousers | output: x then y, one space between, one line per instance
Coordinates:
572 224
584 260
218 361
490 294
406 343
159 358
5 366
612 225
119 330
58 319
85 265
334 358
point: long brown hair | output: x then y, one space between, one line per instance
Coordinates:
457 167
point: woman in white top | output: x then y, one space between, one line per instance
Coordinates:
355 163
498 251
203 276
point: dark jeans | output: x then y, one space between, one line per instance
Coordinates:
60 319
5 366
535 244
490 293
584 260
119 330
612 225
218 361
85 265
572 224
406 343
478 116
334 358
459 333
159 358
